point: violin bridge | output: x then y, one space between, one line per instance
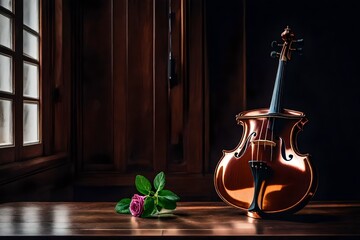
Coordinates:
263 142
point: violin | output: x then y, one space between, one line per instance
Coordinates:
265 174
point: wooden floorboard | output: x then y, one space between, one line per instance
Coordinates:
203 220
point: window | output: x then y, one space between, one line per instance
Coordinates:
20 80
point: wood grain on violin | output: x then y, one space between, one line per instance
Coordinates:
266 174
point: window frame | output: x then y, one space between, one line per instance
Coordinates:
56 72
19 151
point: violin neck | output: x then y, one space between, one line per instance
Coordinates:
275 106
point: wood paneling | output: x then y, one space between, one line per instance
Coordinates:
97 89
123 85
119 77
129 118
194 102
176 91
161 109
139 91
35 179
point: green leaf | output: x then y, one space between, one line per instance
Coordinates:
142 184
169 195
123 206
159 181
166 203
149 207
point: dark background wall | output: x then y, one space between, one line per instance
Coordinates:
323 83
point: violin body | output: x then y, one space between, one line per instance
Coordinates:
290 183
265 174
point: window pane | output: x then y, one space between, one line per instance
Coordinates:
31 80
31 45
6 74
6 122
6 4
31 123
31 14
5 31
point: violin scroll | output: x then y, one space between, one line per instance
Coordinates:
287 46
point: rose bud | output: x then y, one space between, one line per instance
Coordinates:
137 205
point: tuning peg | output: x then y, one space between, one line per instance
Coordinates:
275 44
274 54
297 50
299 41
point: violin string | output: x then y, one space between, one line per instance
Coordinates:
266 132
272 137
252 152
257 154
254 149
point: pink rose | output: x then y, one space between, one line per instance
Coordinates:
137 205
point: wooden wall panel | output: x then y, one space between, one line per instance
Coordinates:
131 118
97 97
176 93
161 110
194 99
139 90
133 121
120 76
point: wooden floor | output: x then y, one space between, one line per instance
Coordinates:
80 220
